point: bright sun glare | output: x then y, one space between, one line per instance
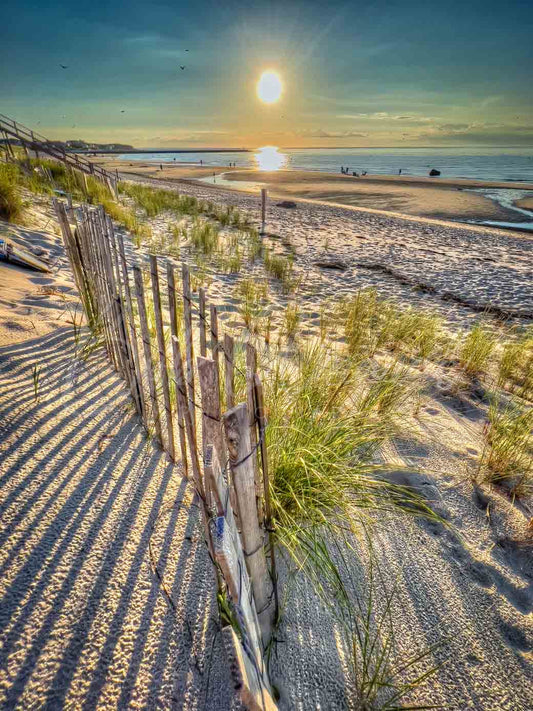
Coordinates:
269 87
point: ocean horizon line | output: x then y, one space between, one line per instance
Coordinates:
321 148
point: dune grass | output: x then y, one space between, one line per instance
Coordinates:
252 294
291 320
371 324
204 236
516 365
327 419
281 268
476 350
10 200
507 458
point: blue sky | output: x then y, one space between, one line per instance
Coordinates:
354 73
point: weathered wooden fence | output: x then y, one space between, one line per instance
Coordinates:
147 316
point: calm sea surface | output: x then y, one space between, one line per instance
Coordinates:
504 164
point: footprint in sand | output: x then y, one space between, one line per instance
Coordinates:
515 637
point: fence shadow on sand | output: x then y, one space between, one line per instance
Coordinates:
107 596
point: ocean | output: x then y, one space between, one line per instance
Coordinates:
499 164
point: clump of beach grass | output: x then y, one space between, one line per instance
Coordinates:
328 418
252 294
325 426
10 200
371 324
204 236
516 365
476 350
291 319
280 267
507 457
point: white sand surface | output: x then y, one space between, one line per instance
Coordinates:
417 261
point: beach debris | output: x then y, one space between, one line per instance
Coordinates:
286 203
434 172
332 263
10 253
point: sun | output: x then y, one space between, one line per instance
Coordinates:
269 87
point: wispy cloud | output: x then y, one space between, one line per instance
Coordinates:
385 116
321 133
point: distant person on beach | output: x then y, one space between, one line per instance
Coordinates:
160 166
214 177
342 169
400 172
201 162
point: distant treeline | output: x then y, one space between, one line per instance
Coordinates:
78 145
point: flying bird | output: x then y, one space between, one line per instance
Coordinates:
63 66
122 111
182 68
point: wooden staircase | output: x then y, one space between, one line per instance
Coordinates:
39 144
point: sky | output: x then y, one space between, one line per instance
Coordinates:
382 73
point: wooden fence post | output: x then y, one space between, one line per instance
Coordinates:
228 370
174 334
230 556
189 349
261 417
237 430
181 386
201 323
212 420
251 368
131 319
156 296
246 681
147 347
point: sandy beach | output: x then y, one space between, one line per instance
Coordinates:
266 356
86 498
444 198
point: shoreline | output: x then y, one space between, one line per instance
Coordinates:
456 200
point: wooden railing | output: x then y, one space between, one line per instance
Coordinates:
33 141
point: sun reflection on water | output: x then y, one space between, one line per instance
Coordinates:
269 158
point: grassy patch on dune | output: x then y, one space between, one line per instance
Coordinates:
10 200
507 458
